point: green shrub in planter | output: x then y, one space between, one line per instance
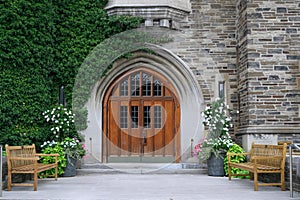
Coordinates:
46 159
235 148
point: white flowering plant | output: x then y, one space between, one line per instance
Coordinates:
61 121
66 149
72 147
217 119
64 138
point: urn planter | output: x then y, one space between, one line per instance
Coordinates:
70 169
215 165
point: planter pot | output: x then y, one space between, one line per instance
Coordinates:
70 169
215 165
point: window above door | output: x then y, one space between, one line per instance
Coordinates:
140 84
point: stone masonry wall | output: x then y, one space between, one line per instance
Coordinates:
252 45
210 46
269 43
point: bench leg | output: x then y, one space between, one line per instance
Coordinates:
56 172
35 180
282 181
229 173
255 181
8 181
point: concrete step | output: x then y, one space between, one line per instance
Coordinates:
144 168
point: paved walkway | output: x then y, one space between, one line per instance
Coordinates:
90 185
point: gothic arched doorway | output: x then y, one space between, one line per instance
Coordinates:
141 119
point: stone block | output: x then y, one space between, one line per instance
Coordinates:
293 57
291 30
281 68
281 10
247 140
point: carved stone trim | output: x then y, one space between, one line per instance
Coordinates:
164 13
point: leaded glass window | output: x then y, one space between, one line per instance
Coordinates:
134 116
146 85
157 88
123 117
135 85
124 88
157 117
147 117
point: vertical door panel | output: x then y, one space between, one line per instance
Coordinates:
113 133
169 128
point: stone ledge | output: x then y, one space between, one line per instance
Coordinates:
178 4
157 12
269 130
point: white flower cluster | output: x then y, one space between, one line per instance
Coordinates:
70 144
49 143
215 117
60 118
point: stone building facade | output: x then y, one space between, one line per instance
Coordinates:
249 48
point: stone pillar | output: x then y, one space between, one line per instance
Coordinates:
164 23
267 65
148 22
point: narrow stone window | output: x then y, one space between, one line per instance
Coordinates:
222 89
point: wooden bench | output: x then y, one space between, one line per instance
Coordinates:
262 159
24 160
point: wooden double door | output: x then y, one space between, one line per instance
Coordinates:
141 119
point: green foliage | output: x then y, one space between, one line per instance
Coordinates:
235 148
42 46
47 159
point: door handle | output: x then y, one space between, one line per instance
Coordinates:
144 134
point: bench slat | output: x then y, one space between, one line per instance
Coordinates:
250 166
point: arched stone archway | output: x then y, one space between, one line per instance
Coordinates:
173 69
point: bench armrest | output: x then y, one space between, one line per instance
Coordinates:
238 154
50 155
43 154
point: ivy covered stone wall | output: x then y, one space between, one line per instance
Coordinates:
42 45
